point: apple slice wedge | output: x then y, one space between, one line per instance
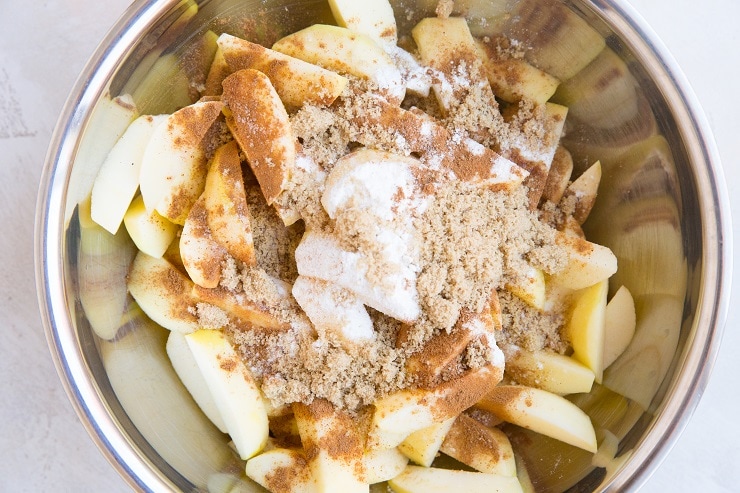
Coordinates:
382 465
225 201
586 327
260 124
237 396
416 479
620 320
151 233
163 293
343 51
549 371
201 255
269 468
542 412
118 178
588 263
422 446
480 447
174 165
373 18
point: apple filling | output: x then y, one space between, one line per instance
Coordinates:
370 256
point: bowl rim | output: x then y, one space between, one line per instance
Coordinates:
716 254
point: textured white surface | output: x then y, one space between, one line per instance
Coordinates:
44 45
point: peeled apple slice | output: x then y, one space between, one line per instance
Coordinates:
373 18
422 446
237 396
543 412
416 479
118 178
151 232
620 319
586 327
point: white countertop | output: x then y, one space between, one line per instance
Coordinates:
44 45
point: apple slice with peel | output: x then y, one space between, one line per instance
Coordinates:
382 465
620 320
542 412
334 467
118 178
297 82
201 255
281 469
152 233
163 293
586 327
237 396
400 414
343 51
174 165
422 446
373 18
260 124
480 447
187 369
588 263
416 479
226 203
549 371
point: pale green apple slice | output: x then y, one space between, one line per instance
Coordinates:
346 52
297 82
118 178
542 412
225 201
480 447
201 255
549 371
163 293
382 465
190 375
373 18
260 124
269 469
588 263
103 260
108 122
586 327
174 165
237 396
422 446
151 232
159 406
322 427
620 323
416 479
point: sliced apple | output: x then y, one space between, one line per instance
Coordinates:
237 396
152 233
103 262
514 79
422 446
335 312
529 286
620 323
549 371
297 82
558 177
586 327
588 263
480 447
163 293
373 18
584 190
174 166
226 204
118 178
249 311
542 412
400 414
415 479
190 375
201 255
260 124
283 470
382 465
333 445
344 51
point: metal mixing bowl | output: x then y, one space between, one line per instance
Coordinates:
662 208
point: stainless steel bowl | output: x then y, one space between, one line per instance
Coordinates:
663 210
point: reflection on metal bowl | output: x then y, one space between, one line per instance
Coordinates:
660 210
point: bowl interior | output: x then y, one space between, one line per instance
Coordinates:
656 207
